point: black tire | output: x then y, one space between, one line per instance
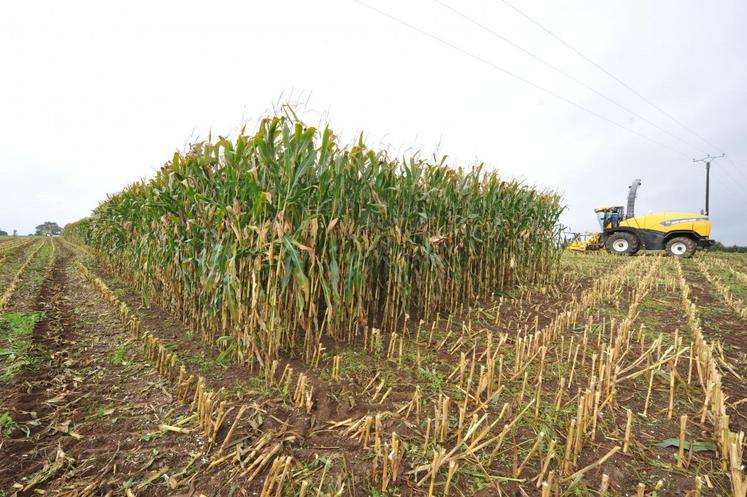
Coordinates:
622 243
681 246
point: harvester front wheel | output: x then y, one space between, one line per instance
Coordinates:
681 247
622 243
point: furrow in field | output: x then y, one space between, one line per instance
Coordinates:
237 410
599 335
92 417
26 277
709 358
730 283
722 325
10 261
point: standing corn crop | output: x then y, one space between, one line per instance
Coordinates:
279 238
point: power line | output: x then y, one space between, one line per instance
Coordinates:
616 78
525 81
708 161
736 166
730 187
520 78
608 73
564 73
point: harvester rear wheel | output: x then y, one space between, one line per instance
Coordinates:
622 243
681 247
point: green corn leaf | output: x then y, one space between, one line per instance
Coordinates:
694 446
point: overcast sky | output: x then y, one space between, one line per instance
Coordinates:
95 95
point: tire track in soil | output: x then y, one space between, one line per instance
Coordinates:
25 395
93 422
719 322
11 261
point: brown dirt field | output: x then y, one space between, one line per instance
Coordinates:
88 413
721 323
11 260
87 424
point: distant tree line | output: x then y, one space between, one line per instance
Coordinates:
720 247
48 229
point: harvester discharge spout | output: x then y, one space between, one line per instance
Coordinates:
632 192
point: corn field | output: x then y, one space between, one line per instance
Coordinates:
282 237
618 376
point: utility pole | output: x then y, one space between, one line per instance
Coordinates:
708 159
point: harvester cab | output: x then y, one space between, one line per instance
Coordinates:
624 233
609 217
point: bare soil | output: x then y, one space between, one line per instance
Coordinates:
89 414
